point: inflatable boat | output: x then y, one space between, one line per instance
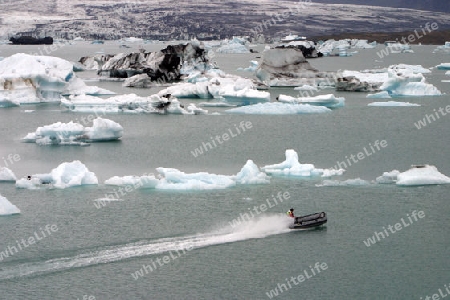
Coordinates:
309 221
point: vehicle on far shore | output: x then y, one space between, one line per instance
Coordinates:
29 40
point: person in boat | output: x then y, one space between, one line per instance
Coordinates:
290 213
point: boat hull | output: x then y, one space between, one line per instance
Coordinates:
309 221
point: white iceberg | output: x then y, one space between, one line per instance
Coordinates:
217 85
68 174
422 175
380 95
443 66
408 84
293 168
250 174
388 177
332 47
306 87
143 182
348 182
174 179
7 208
392 103
236 46
26 78
276 108
75 133
6 174
396 81
130 103
252 68
328 100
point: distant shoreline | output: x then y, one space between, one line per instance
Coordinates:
438 37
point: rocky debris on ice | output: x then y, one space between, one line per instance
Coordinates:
66 175
75 133
329 100
291 167
95 62
396 81
6 175
131 103
163 66
308 48
7 208
338 48
287 67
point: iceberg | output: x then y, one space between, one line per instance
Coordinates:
287 67
408 83
422 175
143 182
250 174
130 103
388 177
235 45
230 88
443 66
28 79
6 174
396 81
174 179
276 108
66 175
291 167
252 68
392 103
328 100
75 133
348 182
306 87
7 208
380 95
336 48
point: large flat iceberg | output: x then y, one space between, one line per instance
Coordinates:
142 182
7 208
328 100
174 179
68 174
27 78
417 175
276 108
392 104
395 81
291 167
75 133
218 85
422 175
130 103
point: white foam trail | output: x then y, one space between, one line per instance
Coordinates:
254 229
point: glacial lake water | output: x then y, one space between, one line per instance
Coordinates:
186 236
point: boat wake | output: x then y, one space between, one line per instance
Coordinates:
256 228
